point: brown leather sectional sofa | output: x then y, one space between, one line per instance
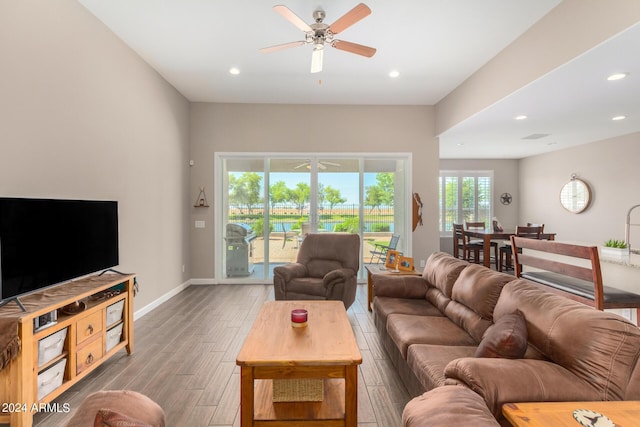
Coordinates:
506 339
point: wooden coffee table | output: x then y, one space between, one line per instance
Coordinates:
378 269
560 414
326 348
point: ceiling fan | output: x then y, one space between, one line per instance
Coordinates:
320 34
322 165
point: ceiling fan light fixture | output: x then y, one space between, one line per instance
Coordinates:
316 59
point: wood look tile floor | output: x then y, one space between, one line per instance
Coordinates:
185 352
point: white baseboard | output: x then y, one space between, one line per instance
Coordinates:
204 282
147 308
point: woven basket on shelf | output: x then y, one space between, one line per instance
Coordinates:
298 390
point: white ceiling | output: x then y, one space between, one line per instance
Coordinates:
434 44
573 105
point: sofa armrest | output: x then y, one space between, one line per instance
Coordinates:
501 381
290 271
400 286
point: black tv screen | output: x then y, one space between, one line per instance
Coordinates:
44 242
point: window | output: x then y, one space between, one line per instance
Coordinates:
465 196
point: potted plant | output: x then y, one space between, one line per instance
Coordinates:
615 250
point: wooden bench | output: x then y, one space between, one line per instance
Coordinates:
579 283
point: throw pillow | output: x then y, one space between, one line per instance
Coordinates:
507 338
109 418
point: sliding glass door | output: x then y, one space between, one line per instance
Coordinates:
268 203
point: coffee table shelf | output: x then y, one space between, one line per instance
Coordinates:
331 407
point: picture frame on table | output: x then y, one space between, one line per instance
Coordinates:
392 259
405 263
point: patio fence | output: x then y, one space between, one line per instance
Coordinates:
287 217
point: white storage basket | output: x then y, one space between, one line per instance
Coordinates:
114 312
51 347
114 336
51 378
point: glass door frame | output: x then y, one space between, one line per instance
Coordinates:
221 201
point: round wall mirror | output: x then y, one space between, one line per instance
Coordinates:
575 195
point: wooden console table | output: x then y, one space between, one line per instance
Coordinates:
375 269
559 414
86 339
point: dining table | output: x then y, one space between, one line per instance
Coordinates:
487 235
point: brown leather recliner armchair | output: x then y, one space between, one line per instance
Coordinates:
326 269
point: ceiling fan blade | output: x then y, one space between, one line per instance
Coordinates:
356 14
354 48
292 17
316 59
281 47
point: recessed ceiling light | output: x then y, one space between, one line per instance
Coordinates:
617 76
234 71
521 117
393 74
616 118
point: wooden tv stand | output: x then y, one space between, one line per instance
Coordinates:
91 339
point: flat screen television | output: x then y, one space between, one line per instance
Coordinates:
45 242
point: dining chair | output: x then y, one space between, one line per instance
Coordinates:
461 244
480 225
506 251
533 224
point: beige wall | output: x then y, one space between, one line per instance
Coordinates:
82 116
312 128
610 167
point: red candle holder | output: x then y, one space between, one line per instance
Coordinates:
299 318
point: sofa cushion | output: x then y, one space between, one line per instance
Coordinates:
405 329
507 338
473 297
437 298
448 406
468 320
384 306
428 361
478 288
442 270
600 348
